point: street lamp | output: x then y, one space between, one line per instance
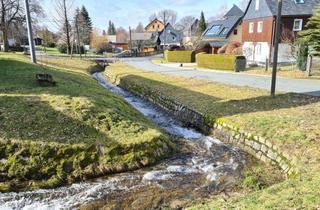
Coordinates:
276 49
30 35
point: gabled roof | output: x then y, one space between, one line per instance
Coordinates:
291 8
141 36
234 11
153 22
268 8
231 19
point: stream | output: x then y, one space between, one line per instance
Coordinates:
208 167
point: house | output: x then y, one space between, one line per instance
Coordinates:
190 33
258 28
154 26
144 42
169 37
38 41
225 30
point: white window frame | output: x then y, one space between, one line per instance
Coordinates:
258 49
251 27
257 4
260 27
300 24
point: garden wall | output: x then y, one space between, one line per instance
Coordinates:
221 62
255 145
187 56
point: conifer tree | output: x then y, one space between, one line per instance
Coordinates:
202 24
312 33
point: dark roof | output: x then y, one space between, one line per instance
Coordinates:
234 11
268 8
173 36
230 20
228 23
290 8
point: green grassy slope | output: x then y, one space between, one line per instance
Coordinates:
76 130
289 121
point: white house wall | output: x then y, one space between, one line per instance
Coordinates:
256 51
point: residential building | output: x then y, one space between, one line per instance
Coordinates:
225 30
169 36
154 26
191 33
259 28
144 42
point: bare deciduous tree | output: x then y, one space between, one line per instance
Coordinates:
122 35
166 16
220 14
63 9
185 23
12 17
139 28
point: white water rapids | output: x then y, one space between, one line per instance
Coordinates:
212 163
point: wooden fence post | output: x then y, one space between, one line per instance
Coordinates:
309 65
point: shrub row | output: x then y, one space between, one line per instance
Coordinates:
221 62
179 56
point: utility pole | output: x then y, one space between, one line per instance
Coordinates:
130 36
165 29
30 33
276 49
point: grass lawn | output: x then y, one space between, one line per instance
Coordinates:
51 136
159 60
289 71
290 121
55 52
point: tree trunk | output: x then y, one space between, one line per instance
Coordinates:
4 28
67 28
5 39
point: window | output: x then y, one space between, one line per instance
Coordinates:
257 4
260 27
214 30
224 31
258 49
153 26
297 24
235 32
251 28
173 38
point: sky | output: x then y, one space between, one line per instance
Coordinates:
127 13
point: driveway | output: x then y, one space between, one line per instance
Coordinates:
309 87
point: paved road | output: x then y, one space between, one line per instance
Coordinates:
310 87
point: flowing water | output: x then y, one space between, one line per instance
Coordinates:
208 166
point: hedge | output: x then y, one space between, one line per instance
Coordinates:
219 62
179 56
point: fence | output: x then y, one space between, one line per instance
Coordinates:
313 66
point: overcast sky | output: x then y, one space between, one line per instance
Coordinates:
127 13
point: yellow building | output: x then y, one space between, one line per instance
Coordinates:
154 26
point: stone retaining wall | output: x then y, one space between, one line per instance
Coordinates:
257 146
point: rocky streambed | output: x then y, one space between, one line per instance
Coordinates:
205 166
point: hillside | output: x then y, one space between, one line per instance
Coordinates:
50 136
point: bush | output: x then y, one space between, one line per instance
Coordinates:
16 49
219 62
179 56
302 56
103 47
51 45
62 48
